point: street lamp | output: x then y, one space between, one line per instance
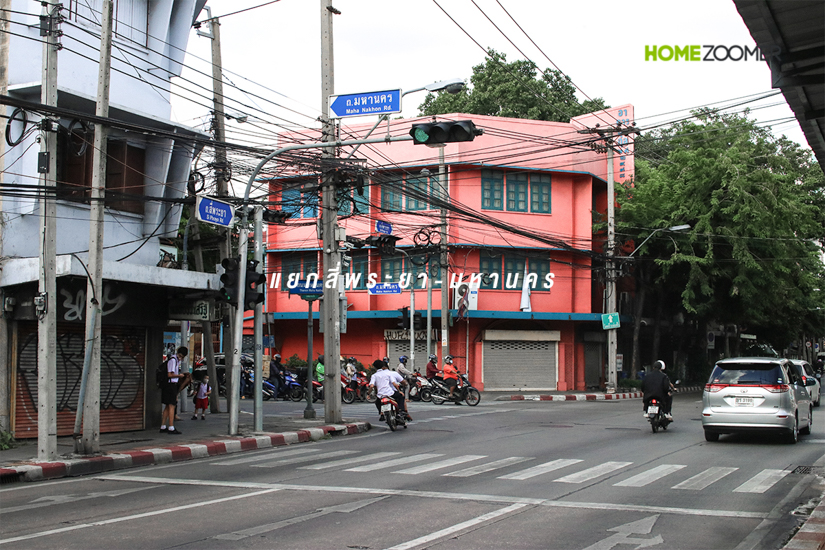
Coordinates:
674 228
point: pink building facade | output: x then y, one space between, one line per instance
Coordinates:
524 197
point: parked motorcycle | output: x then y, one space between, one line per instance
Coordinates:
463 392
393 416
656 415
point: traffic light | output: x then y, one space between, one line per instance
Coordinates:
418 322
253 294
436 133
384 243
229 291
404 318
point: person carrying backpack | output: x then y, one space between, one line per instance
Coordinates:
169 391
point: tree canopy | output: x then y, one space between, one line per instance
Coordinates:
756 207
517 89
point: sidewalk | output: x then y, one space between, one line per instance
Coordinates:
621 393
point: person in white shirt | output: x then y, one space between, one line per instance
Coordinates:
387 383
169 392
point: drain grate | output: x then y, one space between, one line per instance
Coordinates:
809 470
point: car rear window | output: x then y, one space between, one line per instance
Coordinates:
747 373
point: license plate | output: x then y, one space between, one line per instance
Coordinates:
744 402
386 408
653 409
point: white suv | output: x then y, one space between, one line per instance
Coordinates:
806 371
756 394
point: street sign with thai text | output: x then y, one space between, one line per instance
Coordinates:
369 103
385 288
214 211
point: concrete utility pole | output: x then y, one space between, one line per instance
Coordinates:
445 262
329 223
90 443
610 282
258 322
46 300
5 385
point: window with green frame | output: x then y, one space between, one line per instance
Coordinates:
344 197
360 265
514 270
390 198
540 193
415 270
417 188
517 183
361 202
391 270
492 189
303 263
491 264
541 268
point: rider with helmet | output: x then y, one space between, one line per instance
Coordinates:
351 371
450 376
387 384
657 384
432 367
407 375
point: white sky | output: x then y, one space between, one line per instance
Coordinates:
390 44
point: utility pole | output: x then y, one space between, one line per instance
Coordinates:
610 282
90 443
5 397
258 323
46 300
329 223
445 263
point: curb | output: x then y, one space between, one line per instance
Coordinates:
811 536
39 471
588 396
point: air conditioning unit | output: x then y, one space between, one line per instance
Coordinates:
472 296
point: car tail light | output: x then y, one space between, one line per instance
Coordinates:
777 388
804 380
713 388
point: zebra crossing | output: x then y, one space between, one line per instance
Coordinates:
684 477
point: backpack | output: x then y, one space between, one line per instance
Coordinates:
162 374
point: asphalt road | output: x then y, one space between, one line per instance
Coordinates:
583 475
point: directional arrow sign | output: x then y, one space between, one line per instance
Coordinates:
214 212
370 103
610 321
623 532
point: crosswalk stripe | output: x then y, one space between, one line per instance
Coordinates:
700 481
438 465
295 460
542 469
593 473
650 476
490 466
346 461
266 456
762 481
392 463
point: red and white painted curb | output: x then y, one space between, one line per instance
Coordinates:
37 471
811 536
589 396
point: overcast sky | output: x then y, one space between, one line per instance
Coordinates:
274 52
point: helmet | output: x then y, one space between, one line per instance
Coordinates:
659 365
386 359
402 359
432 357
352 359
277 356
448 359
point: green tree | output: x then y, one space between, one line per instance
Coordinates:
518 90
755 204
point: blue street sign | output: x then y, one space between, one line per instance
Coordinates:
370 103
214 212
302 289
383 227
385 288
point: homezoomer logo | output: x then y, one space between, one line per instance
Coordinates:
706 52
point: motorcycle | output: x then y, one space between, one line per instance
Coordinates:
362 390
347 392
393 416
463 392
656 415
292 388
420 388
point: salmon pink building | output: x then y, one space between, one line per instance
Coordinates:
522 253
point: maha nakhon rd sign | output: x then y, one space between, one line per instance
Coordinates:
370 103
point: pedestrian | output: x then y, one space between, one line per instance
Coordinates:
202 398
352 374
319 369
169 391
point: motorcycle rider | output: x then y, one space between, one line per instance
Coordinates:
387 383
657 384
450 377
351 373
276 375
319 369
432 367
408 376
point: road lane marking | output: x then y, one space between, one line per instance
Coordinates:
650 476
593 473
298 459
347 461
268 456
392 463
700 481
438 465
66 499
490 466
542 469
458 527
136 516
762 481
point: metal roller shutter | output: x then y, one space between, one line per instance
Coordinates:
397 348
519 365
123 364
